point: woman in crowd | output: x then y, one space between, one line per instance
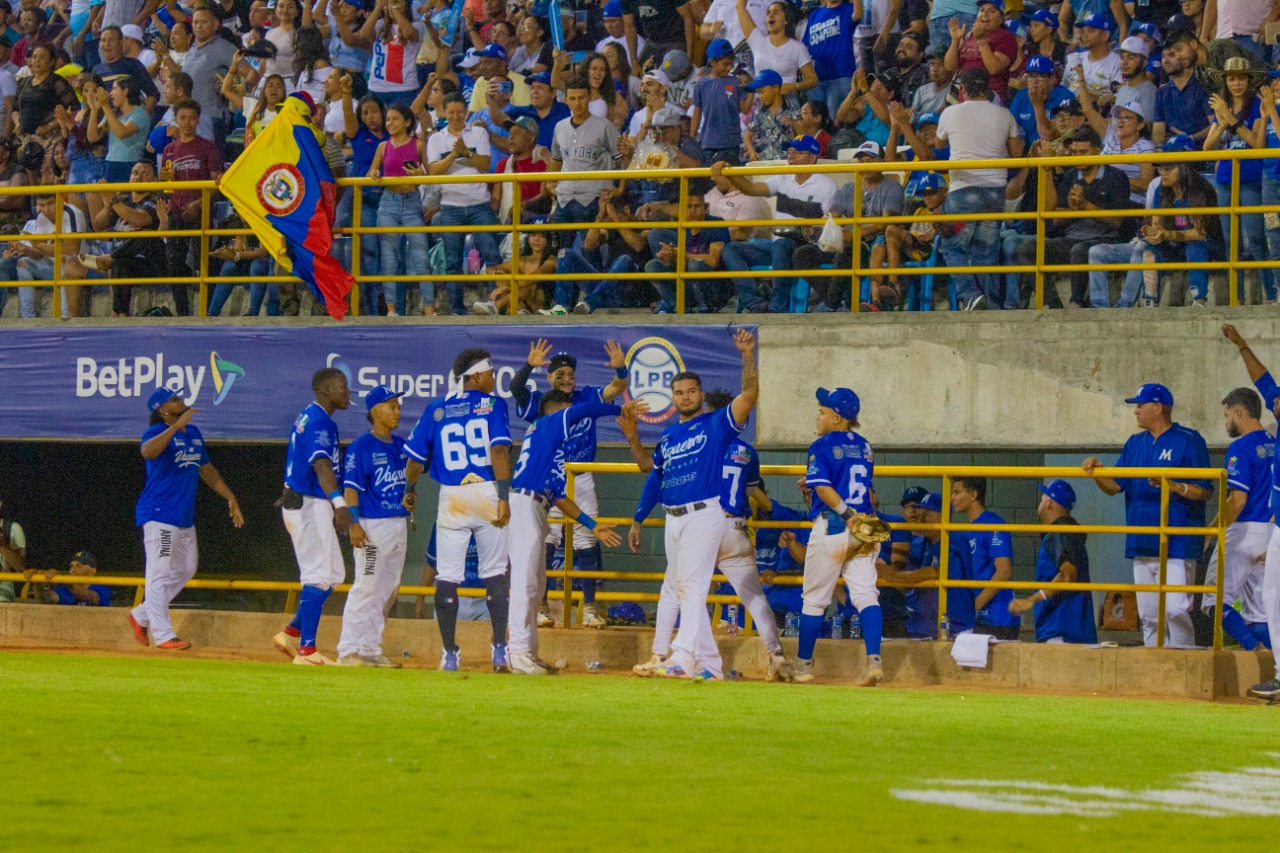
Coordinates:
534 51
428 107
87 160
625 82
311 67
402 155
38 97
119 116
364 128
815 121
396 39
778 49
1131 138
283 35
264 107
536 258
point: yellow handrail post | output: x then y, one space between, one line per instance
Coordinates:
57 255
206 198
1042 202
855 296
1233 274
682 240
570 489
357 224
516 211
1222 561
1164 561
944 556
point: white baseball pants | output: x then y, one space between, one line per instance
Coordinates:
528 572
379 567
692 542
1246 560
315 543
1271 594
585 498
171 562
463 512
825 561
1177 607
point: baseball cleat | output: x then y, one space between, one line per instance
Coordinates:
1266 690
313 659
174 645
544 617
380 661
449 660
287 645
872 677
802 671
645 670
352 659
527 664
670 670
591 617
139 632
779 669
706 675
499 655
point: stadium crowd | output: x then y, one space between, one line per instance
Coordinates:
140 90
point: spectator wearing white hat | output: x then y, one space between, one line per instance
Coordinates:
653 94
1137 88
135 47
1129 119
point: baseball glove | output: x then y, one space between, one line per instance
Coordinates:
868 530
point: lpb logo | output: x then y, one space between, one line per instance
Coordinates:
652 363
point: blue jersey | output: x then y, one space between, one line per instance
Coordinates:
922 604
540 467
1177 447
471 576
895 538
1269 390
960 612
375 470
581 444
314 435
769 555
741 471
829 37
984 547
893 600
1068 615
844 462
66 596
688 460
1250 466
169 496
454 434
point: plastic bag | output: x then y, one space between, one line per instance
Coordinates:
832 238
649 153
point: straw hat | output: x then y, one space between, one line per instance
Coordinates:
1241 66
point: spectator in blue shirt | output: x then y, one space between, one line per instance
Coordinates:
1061 616
1034 104
83 565
828 35
1182 104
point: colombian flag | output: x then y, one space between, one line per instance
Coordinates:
283 188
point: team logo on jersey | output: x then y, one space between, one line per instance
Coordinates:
1166 455
1264 451
224 374
438 415
740 456
837 452
652 363
281 189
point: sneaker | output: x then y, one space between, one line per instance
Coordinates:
139 631
484 308
313 659
287 644
649 668
544 617
821 308
499 655
670 670
581 308
976 302
779 669
1149 302
1266 690
591 617
174 645
524 311
874 674
380 661
352 659
556 311
706 675
1199 303
527 664
802 671
449 660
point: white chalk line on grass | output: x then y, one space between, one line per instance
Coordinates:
1249 791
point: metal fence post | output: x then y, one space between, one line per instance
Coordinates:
855 295
57 257
570 489
944 556
1164 561
357 223
682 231
516 212
206 198
1222 559
1042 201
1233 273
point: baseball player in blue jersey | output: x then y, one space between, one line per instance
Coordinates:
315 512
465 442
736 558
580 447
892 557
840 471
1270 391
1161 443
373 484
1250 461
687 465
990 558
923 561
1061 616
538 485
176 459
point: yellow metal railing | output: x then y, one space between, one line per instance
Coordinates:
680 275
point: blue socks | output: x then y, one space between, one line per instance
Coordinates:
587 560
1233 624
310 604
810 630
872 628
1260 632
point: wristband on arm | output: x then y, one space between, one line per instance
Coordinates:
336 498
621 373
586 521
504 489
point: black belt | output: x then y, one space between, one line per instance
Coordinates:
536 497
678 511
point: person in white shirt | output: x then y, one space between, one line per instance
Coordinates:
1097 66
977 129
35 257
776 47
721 21
617 33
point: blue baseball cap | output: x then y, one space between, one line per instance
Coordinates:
1181 142
1098 22
1145 28
160 396
1044 16
767 77
613 9
719 48
806 143
931 501
926 118
999 4
1016 27
541 77
930 182
1274 73
627 611
842 401
492 50
1040 65
913 495
379 394
1152 392
1060 492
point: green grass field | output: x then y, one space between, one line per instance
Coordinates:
137 754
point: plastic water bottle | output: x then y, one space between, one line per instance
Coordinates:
945 625
855 627
731 614
837 628
473 261
595 666
404 653
791 625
